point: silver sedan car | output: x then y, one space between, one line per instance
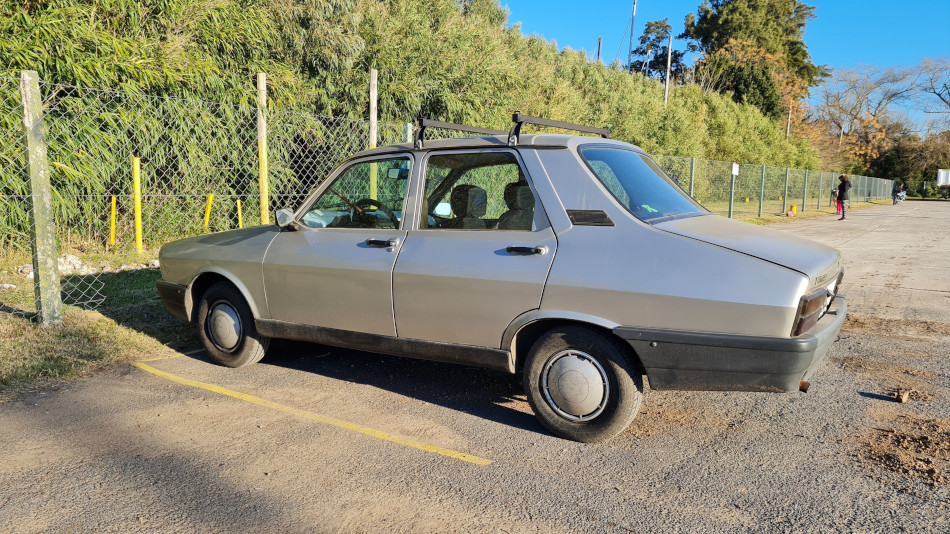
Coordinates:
573 260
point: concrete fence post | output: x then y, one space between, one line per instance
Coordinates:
407 133
46 285
762 191
692 175
821 186
732 194
785 195
805 192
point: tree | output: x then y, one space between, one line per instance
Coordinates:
775 26
654 48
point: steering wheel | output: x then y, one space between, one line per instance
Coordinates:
368 202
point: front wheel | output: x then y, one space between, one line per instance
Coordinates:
582 384
226 327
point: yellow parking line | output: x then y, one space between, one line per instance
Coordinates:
179 355
378 434
162 358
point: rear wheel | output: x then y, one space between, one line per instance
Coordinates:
582 384
226 327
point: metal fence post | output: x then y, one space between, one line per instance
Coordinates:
137 201
692 175
805 192
46 286
785 195
821 187
262 146
762 191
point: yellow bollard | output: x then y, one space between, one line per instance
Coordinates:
208 210
747 199
240 219
112 224
794 209
137 193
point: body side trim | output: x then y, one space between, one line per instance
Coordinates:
412 348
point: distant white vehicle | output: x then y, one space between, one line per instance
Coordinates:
943 178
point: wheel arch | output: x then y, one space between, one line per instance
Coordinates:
527 329
206 279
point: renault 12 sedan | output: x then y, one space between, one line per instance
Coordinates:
573 260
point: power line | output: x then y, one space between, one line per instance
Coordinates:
622 37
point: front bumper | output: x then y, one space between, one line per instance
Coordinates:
173 297
704 361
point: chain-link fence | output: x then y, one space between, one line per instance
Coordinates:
760 190
198 170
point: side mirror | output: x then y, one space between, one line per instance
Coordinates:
285 219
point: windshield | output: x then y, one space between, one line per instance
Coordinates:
639 184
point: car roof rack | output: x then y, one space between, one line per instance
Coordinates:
517 118
428 123
520 119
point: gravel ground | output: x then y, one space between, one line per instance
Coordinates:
129 451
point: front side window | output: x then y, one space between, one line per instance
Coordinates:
477 191
365 195
639 184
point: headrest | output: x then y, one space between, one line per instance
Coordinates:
469 201
518 196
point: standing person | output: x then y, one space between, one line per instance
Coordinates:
834 199
843 188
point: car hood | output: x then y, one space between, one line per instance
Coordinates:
816 261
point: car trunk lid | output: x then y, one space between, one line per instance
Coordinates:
816 261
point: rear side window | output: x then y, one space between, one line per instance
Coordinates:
639 184
477 191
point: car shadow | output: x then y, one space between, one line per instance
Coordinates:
130 299
483 393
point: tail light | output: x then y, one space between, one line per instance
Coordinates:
813 306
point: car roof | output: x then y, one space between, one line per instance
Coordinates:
500 141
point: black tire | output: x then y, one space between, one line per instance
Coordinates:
231 346
579 358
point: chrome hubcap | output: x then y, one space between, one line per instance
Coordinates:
575 385
224 326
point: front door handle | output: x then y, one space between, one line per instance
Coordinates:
527 251
383 243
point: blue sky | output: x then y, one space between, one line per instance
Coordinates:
844 34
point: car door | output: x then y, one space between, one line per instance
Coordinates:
334 269
478 254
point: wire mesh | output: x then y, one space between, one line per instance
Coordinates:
200 172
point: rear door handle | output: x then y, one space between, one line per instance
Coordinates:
527 251
383 243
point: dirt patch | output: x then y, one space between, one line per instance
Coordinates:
912 446
878 368
658 420
895 328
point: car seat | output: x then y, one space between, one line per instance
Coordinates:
469 203
520 202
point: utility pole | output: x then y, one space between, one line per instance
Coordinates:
600 41
633 26
669 60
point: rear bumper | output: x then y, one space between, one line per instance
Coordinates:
704 361
173 297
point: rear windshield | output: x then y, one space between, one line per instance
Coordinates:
639 184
